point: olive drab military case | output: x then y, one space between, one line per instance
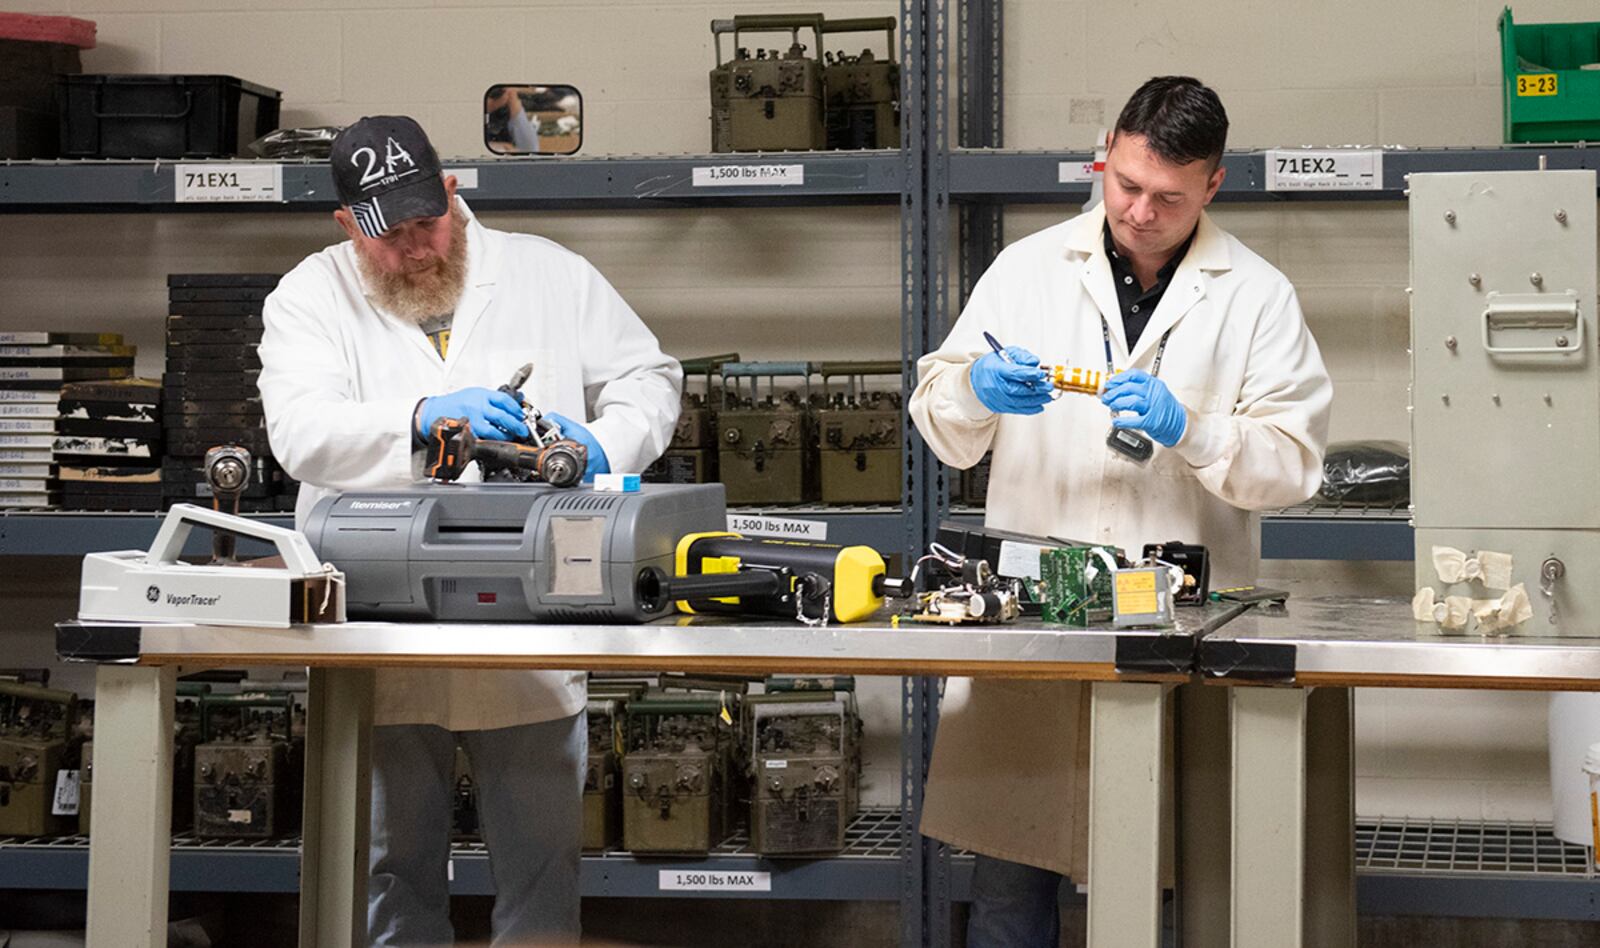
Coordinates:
602 786
975 484
678 754
804 738
691 457
602 779
767 444
862 92
772 100
859 449
186 724
247 767
36 725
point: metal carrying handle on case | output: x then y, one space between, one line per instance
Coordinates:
758 369
880 367
1558 313
292 545
707 365
769 370
766 23
865 24
285 703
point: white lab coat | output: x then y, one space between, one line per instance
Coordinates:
1006 777
340 380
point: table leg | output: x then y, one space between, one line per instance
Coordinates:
1202 758
338 807
1125 794
1268 815
130 850
1330 821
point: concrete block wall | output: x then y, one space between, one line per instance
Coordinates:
825 283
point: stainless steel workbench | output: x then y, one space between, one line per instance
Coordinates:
1292 797
1133 671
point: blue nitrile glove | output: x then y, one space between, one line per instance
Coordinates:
598 463
1017 387
494 416
1156 411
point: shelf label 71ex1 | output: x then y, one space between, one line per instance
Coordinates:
231 181
1331 169
702 880
745 176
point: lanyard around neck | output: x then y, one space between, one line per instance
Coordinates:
1161 348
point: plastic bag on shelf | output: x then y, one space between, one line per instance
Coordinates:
1367 472
315 142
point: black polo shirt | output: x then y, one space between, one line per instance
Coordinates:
1137 303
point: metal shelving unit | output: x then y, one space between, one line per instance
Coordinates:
976 176
1324 531
867 870
1404 866
987 176
830 178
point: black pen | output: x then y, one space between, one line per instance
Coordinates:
999 350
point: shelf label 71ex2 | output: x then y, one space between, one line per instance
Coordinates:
1331 169
744 176
232 181
702 880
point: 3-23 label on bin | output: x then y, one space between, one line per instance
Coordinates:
1538 84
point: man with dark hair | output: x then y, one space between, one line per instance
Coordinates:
1220 408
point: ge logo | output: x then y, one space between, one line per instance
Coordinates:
153 593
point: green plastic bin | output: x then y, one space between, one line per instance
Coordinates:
1552 80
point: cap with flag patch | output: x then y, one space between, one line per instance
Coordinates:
387 172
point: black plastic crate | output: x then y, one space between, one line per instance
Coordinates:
156 116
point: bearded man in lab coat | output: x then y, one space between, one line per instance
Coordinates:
417 317
1218 370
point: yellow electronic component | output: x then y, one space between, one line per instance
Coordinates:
773 577
1070 379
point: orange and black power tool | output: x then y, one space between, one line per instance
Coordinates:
544 455
452 446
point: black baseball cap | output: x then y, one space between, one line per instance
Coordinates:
387 172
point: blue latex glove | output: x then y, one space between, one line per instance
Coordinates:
494 415
1017 387
598 462
1156 411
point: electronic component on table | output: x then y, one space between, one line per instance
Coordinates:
508 552
1194 560
969 591
726 574
1076 584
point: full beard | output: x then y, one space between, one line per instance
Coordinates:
420 295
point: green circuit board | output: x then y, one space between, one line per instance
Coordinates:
1066 597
